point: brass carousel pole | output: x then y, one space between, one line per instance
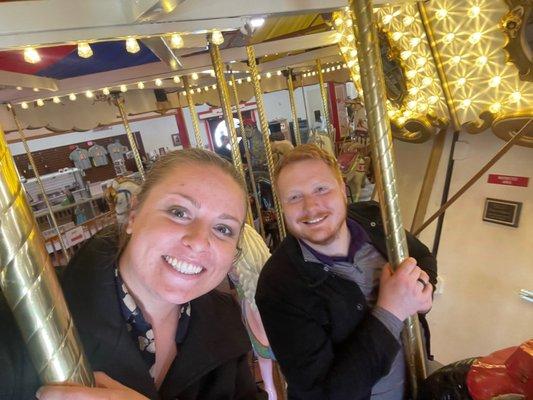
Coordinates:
225 103
325 103
62 243
373 85
194 114
31 289
305 104
248 158
295 124
265 131
119 102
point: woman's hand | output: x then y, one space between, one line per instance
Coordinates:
106 389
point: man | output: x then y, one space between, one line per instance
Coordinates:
331 306
224 151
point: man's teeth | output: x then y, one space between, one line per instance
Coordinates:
314 221
182 266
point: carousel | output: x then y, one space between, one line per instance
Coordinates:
363 80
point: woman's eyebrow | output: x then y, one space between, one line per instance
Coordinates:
193 201
230 217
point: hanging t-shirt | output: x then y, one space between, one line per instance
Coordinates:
98 154
80 157
116 151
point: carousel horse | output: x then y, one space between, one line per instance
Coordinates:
119 196
322 140
354 164
244 275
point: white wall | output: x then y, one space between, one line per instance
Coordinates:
483 265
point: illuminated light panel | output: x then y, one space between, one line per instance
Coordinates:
132 46
72 97
441 13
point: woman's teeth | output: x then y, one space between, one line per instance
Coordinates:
182 266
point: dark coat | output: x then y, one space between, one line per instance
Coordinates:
211 362
328 344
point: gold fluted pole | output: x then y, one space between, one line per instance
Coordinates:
225 103
372 82
119 102
248 159
62 243
325 102
194 114
265 131
295 124
31 289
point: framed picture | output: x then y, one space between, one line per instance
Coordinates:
176 141
162 151
502 212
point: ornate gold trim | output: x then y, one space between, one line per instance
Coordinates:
475 127
506 126
513 24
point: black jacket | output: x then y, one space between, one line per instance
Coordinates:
211 363
328 344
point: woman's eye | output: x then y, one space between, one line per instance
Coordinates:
224 230
179 212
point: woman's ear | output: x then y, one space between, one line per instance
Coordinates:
131 215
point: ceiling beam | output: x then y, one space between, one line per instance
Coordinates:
15 79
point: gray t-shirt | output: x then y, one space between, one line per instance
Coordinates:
365 271
98 154
80 157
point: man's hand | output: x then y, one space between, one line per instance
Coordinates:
106 389
406 291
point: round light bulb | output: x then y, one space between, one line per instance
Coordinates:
268 75
132 46
31 55
338 21
278 73
441 13
72 97
461 81
19 87
414 90
421 61
495 108
24 105
426 81
387 18
158 82
350 37
89 94
415 41
194 76
217 37
206 88
433 99
406 54
40 102
448 38
248 79
411 105
230 83
349 23
176 41
455 60
123 88
515 97
408 20
475 37
396 36
239 81
140 85
199 90
466 103
474 11
84 50
214 86
481 61
176 79
56 100
184 93
106 91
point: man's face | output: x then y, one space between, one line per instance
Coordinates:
313 200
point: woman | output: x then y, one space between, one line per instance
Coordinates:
144 303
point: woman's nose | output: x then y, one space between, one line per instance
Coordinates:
196 237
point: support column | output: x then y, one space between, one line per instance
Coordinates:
119 102
266 135
194 114
30 286
372 81
295 124
325 105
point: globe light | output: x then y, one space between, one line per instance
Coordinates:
132 46
176 41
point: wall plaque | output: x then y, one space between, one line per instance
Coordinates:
502 211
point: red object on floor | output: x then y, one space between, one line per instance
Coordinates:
507 371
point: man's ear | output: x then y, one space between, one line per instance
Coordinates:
131 216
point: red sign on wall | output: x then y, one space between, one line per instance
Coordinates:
508 180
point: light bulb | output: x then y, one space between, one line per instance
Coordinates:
455 60
414 90
495 108
396 36
350 37
466 103
191 91
105 91
278 73
140 85
408 20
441 13
206 88
338 21
19 87
123 88
351 63
515 97
176 41
426 81
448 38
387 19
495 81
132 46
199 90
72 97
214 86
56 100
353 53
268 75
475 37
217 37
31 55
89 94
406 54
433 99
344 65
24 105
411 104
184 93
338 67
84 50
421 61
422 107
248 79
239 81
230 83
258 77
158 82
194 76
212 73
411 73
481 61
328 69
474 11
461 81
176 79
415 41
40 102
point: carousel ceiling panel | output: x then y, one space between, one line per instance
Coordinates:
286 26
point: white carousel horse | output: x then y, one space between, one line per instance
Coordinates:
244 275
119 196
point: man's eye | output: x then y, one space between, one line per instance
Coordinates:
322 189
224 230
179 212
294 197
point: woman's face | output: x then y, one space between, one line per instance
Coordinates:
184 235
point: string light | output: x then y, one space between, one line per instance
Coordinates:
106 91
184 93
338 67
140 85
414 90
350 37
515 97
123 88
268 75
475 37
495 81
206 88
495 108
353 53
481 61
176 41
56 100
441 13
72 97
248 79
278 73
158 82
214 86
191 91
217 37
349 22
474 11
176 79
239 81
31 55
89 94
84 50
194 76
132 46
24 105
230 83
199 90
448 38
19 87
411 104
35 89
40 102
